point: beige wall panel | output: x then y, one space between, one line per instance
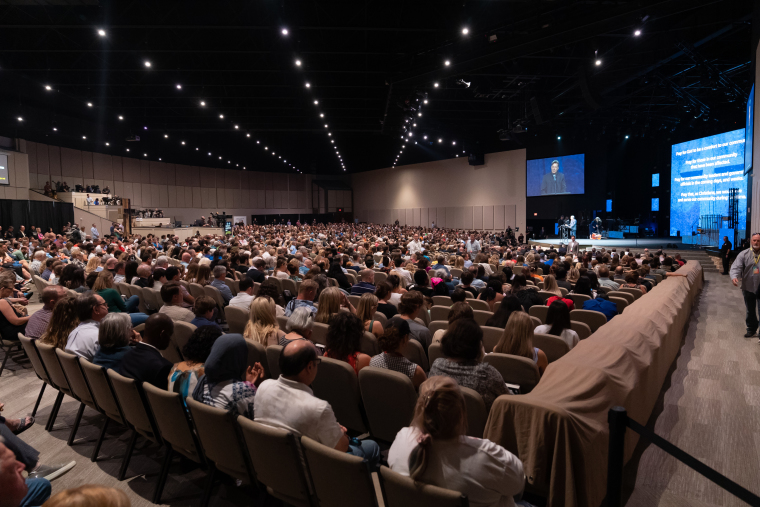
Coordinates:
267 181
197 200
157 173
131 167
171 195
293 199
467 217
232 178
269 202
145 171
221 198
424 217
71 163
43 161
498 217
103 166
488 217
54 156
118 172
261 201
87 167
171 175
303 198
279 181
31 150
208 177
208 198
237 198
188 199
477 217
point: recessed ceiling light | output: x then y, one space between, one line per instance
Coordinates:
598 62
203 103
453 142
440 140
419 114
179 87
298 63
89 104
108 144
248 135
447 63
321 115
637 33
424 101
325 125
121 117
220 158
84 137
183 143
55 129
435 85
424 137
48 87
145 154
316 102
166 136
237 127
147 63
221 116
266 148
102 32
209 153
258 142
20 118
284 31
329 134
308 85
465 31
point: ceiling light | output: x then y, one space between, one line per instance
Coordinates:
203 103
316 102
308 85
258 142
637 33
166 136
248 135
415 142
419 114
127 149
121 117
465 31
414 124
20 119
424 137
321 115
183 143
298 63
145 154
209 153
236 126
325 125
410 134
84 137
55 129
626 137
147 63
179 87
102 32
221 116
440 140
329 134
279 157
598 62
272 153
48 87
435 85
332 140
559 137
89 104
447 63
266 148
453 142
229 161
284 31
220 158
424 101
108 144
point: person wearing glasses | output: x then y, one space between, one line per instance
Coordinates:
289 403
83 340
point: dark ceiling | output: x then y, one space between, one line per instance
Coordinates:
525 68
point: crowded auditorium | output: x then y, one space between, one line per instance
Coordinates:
486 253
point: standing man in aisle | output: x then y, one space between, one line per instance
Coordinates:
472 246
573 247
746 269
725 251
94 232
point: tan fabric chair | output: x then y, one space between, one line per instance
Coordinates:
455 272
380 278
222 443
545 295
434 352
256 286
182 332
57 376
389 398
233 285
442 301
277 281
476 412
482 316
496 306
477 304
337 384
121 288
257 353
579 299
620 302
564 291
368 344
354 300
277 458
381 318
402 491
214 294
135 410
101 390
553 346
288 284
630 290
604 289
282 321
144 296
536 321
491 336
339 479
414 352
175 428
594 319
39 368
196 290
439 313
515 370
237 318
351 277
39 283
517 270
78 384
273 360
630 298
319 333
583 330
435 325
186 286
540 312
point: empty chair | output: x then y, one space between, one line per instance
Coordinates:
439 313
402 491
478 304
583 330
414 352
175 428
553 346
135 411
222 446
435 325
339 479
257 353
79 388
237 318
337 384
196 290
476 412
101 390
442 301
540 312
284 476
491 336
515 370
578 299
620 302
57 376
389 399
482 316
39 368
630 298
182 333
630 290
319 333
594 319
273 360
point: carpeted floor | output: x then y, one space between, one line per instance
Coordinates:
710 407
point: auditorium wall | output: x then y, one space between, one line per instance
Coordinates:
449 192
183 192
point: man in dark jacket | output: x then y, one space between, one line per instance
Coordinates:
257 272
725 251
144 362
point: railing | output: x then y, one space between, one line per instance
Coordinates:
618 420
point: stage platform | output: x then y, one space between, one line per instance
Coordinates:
181 232
640 243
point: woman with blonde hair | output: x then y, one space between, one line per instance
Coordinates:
573 274
366 311
517 340
329 303
89 495
204 275
93 265
550 285
62 322
436 450
262 324
192 272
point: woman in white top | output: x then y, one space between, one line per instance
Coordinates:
435 450
558 324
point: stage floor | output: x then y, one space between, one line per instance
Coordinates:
650 243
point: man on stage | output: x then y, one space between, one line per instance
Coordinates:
573 225
554 183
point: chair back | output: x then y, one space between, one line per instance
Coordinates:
101 390
237 318
540 312
515 370
257 353
579 299
517 270
144 296
220 438
284 476
478 304
630 290
351 278
337 384
389 399
53 367
283 322
185 285
39 283
273 360
583 330
491 336
196 290
182 332
435 325
368 344
319 333
380 277
354 300
476 412
604 289
256 286
455 272
233 285
381 318
620 302
278 283
442 301
414 352
214 294
134 406
440 313
339 479
553 346
536 321
564 291
402 491
630 298
288 284
75 378
545 295
156 300
482 316
434 352
594 319
120 288
34 358
658 278
173 423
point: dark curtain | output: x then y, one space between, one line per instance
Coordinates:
43 214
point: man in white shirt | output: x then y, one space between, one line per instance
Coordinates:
171 294
90 200
289 403
244 296
83 340
472 246
94 232
415 246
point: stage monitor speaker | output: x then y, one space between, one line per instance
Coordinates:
476 158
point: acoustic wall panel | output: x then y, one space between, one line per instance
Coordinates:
54 155
424 217
477 217
87 167
144 171
467 217
498 217
43 161
171 192
488 218
31 150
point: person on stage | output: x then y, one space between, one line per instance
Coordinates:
573 225
554 183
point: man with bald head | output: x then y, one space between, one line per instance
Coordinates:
38 322
289 403
367 283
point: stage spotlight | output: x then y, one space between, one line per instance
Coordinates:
465 31
203 103
308 85
147 63
48 87
121 117
89 104
20 118
440 140
598 62
447 63
559 137
179 87
102 32
298 63
637 33
284 31
435 85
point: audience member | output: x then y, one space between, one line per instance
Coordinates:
550 285
384 295
245 296
89 495
366 312
298 327
144 361
527 296
367 283
220 273
344 339
517 340
171 295
306 294
103 287
500 317
262 326
83 340
558 324
184 375
38 322
409 309
391 343
204 309
64 319
114 334
458 311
